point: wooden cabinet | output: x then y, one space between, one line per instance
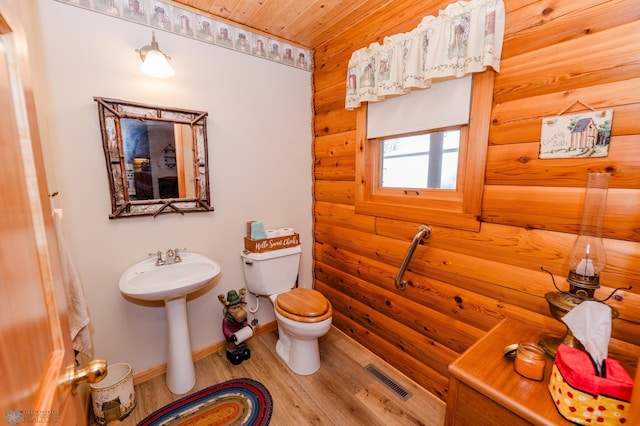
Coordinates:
484 389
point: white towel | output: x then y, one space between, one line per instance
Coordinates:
76 302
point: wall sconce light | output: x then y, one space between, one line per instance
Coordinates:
586 260
154 62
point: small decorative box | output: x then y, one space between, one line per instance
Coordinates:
583 397
267 244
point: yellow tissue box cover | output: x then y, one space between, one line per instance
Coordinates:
583 408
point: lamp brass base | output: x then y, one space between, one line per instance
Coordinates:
550 344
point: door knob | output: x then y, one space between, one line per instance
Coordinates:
95 371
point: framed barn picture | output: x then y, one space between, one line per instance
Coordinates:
586 134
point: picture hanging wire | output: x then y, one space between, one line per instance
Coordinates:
577 101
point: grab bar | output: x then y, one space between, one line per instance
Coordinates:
424 231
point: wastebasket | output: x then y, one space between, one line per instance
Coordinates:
113 398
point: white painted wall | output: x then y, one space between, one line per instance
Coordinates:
259 131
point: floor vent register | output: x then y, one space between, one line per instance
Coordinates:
388 382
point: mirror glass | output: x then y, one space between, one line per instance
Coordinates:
156 158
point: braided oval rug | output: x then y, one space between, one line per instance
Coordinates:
234 402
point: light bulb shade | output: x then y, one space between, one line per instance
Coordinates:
587 257
154 62
156 65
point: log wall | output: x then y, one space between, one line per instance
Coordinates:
462 283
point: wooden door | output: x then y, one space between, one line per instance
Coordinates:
35 342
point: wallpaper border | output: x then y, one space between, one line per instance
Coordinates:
170 17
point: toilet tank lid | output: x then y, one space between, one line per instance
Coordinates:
271 253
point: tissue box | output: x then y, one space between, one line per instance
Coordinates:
584 398
267 244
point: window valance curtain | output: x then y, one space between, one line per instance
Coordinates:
464 38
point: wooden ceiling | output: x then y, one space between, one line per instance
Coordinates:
309 23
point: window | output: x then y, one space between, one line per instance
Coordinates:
383 187
427 160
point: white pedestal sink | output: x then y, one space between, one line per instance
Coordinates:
172 283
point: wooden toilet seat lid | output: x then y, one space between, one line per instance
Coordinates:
303 305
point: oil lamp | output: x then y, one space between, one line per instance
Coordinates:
587 259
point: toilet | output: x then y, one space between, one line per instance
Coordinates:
302 314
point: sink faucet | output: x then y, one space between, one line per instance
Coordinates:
173 256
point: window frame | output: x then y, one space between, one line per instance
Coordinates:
419 193
459 209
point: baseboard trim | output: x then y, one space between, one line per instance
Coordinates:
153 372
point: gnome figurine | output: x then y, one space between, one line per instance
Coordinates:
235 327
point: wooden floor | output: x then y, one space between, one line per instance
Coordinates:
342 392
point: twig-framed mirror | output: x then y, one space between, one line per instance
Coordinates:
157 158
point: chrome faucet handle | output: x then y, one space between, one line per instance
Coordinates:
177 257
159 260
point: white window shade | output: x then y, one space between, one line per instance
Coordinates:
444 104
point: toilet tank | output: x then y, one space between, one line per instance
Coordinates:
271 272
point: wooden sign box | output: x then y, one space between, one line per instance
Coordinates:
268 244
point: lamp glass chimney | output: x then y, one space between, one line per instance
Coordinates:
587 257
